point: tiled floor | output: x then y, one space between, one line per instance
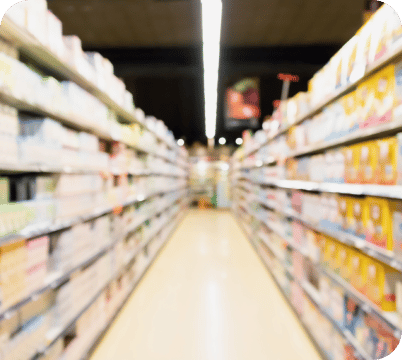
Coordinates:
207 297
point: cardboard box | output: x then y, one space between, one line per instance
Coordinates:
356 219
381 284
378 220
368 159
351 156
358 271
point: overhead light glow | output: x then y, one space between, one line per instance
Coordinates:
258 163
239 141
180 142
222 141
211 36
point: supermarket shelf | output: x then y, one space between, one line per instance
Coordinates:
56 334
359 352
156 173
25 106
28 168
357 136
391 319
387 191
55 280
31 47
43 229
74 122
385 60
385 256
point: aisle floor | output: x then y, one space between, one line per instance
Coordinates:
207 297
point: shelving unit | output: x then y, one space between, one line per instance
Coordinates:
280 192
138 200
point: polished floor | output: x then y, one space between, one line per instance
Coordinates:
207 297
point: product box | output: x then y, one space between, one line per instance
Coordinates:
358 272
351 156
356 217
386 171
398 293
344 206
381 284
349 64
368 159
330 253
352 314
365 101
385 20
349 103
343 260
55 35
36 22
337 304
387 342
385 85
378 222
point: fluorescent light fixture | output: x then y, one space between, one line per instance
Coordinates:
211 37
222 141
180 142
239 141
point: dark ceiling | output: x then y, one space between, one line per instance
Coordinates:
155 46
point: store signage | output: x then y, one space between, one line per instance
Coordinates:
242 105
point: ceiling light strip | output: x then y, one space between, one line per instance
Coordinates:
211 35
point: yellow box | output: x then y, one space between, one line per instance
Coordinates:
344 204
351 156
356 216
381 284
367 155
386 22
386 172
341 257
349 103
378 223
385 97
330 252
344 258
365 101
358 272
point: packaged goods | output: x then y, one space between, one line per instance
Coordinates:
386 171
381 39
330 252
398 293
344 211
381 284
351 117
352 314
36 19
356 217
55 35
351 158
384 83
343 260
367 162
379 222
358 272
365 101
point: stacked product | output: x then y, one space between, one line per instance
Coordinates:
319 188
